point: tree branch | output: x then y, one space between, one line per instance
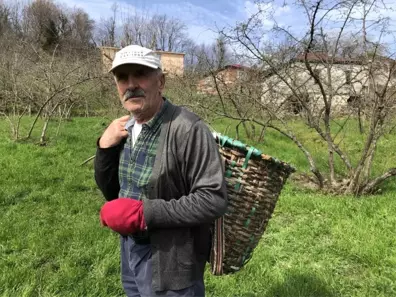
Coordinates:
373 185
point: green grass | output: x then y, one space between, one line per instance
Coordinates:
51 242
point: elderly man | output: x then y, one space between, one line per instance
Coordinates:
162 175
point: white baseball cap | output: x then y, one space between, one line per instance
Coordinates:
135 54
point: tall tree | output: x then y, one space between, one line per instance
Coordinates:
107 34
81 27
41 19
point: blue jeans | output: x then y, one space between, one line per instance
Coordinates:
136 273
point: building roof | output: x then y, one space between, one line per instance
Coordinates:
228 66
320 57
166 52
235 66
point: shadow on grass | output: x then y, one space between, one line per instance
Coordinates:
305 285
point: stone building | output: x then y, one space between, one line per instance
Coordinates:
348 80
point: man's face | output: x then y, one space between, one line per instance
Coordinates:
139 88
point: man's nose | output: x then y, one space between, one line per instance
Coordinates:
132 82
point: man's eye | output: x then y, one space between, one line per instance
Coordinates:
141 73
121 77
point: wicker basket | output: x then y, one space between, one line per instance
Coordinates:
254 182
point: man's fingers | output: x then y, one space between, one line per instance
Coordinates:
124 119
124 133
122 127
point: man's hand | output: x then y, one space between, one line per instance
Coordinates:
114 133
123 215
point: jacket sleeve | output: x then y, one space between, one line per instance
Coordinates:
106 171
204 175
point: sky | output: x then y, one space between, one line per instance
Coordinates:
202 17
205 17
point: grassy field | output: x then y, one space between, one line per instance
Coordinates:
51 242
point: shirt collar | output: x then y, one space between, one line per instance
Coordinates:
130 123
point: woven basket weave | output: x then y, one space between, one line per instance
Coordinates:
254 182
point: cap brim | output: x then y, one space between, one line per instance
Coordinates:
136 62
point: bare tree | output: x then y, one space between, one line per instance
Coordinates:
189 48
42 23
54 82
48 66
14 105
81 28
5 18
107 34
317 76
48 25
207 58
158 31
221 55
36 80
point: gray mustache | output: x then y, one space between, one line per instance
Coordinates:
133 93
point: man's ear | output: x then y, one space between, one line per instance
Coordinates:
161 82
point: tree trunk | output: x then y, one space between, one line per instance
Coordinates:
44 131
361 129
237 131
86 109
253 135
262 134
369 161
329 141
58 128
311 161
37 116
371 138
331 163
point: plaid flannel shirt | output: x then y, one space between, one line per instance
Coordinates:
137 162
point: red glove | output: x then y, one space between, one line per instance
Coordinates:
123 215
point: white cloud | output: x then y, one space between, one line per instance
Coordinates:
281 10
202 34
95 8
201 23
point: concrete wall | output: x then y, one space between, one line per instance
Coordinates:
172 63
225 79
347 80
107 54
